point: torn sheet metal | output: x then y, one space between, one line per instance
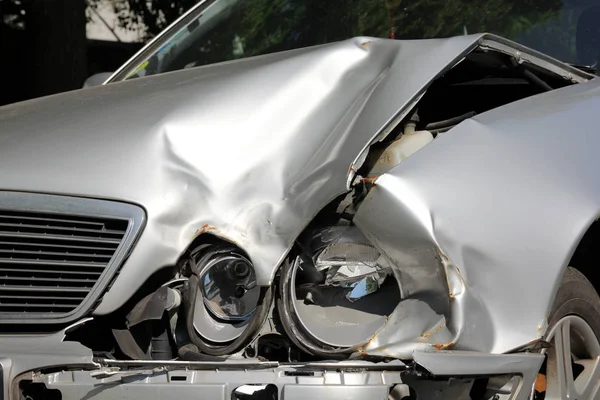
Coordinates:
216 149
350 261
361 280
485 235
356 257
412 325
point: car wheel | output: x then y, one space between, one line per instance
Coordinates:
572 366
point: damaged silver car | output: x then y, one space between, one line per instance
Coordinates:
292 199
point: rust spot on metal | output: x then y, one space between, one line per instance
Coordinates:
444 346
540 383
205 228
428 334
362 353
451 296
372 338
364 347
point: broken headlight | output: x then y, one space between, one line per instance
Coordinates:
224 307
351 262
338 294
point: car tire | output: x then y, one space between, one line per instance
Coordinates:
573 319
576 296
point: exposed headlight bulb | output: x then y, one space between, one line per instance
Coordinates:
223 305
228 284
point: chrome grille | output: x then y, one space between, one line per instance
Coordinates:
52 263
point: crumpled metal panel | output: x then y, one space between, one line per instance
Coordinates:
248 150
500 202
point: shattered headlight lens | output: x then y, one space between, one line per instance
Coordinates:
228 283
353 264
338 294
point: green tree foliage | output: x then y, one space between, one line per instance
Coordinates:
245 28
271 25
441 18
319 21
153 15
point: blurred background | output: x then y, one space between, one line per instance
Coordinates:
50 46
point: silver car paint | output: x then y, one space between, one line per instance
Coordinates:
500 202
249 151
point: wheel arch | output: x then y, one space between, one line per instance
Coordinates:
580 257
585 253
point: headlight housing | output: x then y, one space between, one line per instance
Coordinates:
224 307
338 295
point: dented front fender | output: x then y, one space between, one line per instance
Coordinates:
485 248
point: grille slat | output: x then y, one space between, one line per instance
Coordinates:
31 299
42 237
33 279
55 247
33 305
61 230
50 262
41 289
50 221
43 272
50 255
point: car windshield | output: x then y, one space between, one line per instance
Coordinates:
224 30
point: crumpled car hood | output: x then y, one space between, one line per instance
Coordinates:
248 150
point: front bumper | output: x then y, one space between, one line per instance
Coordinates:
70 368
316 381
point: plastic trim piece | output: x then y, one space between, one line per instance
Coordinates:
133 379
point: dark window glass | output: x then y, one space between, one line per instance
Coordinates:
224 30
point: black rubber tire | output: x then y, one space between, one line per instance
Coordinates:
576 296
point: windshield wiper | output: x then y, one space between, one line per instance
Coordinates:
590 69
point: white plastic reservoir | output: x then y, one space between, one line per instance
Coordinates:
409 143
